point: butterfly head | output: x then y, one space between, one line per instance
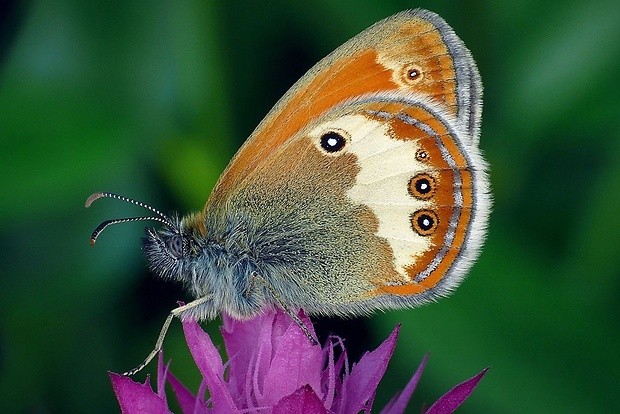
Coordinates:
168 249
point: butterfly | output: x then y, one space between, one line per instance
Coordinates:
363 189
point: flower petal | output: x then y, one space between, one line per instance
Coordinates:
209 363
302 401
187 401
398 403
240 339
359 388
295 361
203 351
451 400
330 377
134 397
162 371
249 346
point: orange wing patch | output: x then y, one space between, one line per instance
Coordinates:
420 62
404 46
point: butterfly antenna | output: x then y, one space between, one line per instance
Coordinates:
161 217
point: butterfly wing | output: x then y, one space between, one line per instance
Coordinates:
364 187
413 51
381 202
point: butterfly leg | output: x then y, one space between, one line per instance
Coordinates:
164 329
293 315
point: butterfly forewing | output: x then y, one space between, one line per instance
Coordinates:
413 51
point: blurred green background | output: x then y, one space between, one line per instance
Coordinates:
150 99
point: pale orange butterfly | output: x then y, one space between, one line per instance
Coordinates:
362 189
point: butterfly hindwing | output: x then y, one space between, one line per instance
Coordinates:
385 220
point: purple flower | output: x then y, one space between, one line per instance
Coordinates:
274 368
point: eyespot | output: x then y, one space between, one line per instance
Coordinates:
332 142
424 222
412 74
422 156
422 186
175 246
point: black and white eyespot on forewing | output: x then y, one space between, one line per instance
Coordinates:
412 74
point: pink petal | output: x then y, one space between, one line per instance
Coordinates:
270 357
302 401
134 397
209 363
201 393
240 339
248 344
341 364
283 321
187 401
451 400
358 389
330 375
295 362
203 351
162 371
261 361
398 404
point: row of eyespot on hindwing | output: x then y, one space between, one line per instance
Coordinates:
422 186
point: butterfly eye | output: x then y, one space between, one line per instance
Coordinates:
175 246
332 141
